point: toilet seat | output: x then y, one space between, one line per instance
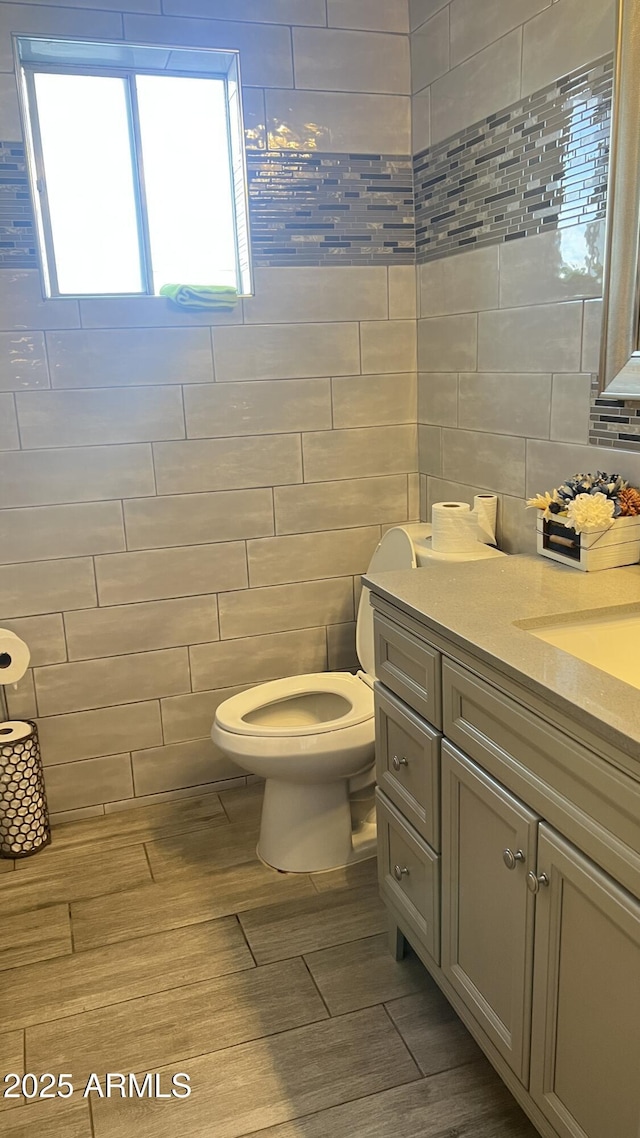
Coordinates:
314 704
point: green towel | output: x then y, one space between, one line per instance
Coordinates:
215 298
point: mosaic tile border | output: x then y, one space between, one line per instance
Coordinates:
316 209
539 164
305 208
17 228
613 422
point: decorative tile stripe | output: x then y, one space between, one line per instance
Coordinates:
539 164
305 208
614 423
17 231
325 209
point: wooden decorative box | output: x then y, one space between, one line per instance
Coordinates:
600 549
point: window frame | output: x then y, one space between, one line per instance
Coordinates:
26 71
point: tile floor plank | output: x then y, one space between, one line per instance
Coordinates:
434 1034
348 877
174 1026
363 973
244 803
103 976
37 935
270 1081
202 851
467 1103
300 926
11 1060
6 864
146 823
161 975
52 1118
66 877
184 901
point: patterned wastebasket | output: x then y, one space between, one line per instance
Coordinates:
24 818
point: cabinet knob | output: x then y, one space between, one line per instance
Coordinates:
511 859
400 871
534 883
397 763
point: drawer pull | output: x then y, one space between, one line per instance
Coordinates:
534 882
397 763
400 871
511 859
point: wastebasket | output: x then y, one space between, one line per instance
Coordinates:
24 817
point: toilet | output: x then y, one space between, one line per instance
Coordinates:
312 738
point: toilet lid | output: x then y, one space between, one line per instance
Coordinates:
299 705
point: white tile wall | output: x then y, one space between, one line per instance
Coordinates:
9 438
23 360
345 123
187 501
46 532
351 61
377 15
511 419
474 57
286 351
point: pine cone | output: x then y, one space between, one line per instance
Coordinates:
629 502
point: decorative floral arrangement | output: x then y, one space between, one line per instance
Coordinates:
589 501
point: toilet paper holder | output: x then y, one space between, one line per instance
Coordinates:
25 826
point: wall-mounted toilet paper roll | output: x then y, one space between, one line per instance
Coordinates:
454 527
14 657
486 510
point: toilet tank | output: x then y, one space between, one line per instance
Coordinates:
403 547
395 550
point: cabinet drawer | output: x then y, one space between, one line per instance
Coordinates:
408 764
409 667
560 778
409 875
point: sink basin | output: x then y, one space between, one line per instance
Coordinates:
607 638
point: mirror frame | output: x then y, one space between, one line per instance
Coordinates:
620 352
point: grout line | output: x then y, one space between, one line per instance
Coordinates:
73 948
14 403
397 1031
245 937
316 986
91 1122
146 854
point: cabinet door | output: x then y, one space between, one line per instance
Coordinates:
487 910
585 1066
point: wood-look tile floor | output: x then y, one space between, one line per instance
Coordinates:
155 941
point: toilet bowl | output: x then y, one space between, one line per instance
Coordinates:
312 739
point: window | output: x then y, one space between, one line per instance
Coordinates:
137 165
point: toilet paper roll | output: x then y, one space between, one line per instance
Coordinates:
454 527
14 730
14 657
486 510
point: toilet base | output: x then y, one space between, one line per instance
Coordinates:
307 828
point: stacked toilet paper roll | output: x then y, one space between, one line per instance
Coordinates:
454 527
14 657
485 507
14 730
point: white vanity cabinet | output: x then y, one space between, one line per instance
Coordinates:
509 858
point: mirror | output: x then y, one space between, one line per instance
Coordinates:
620 356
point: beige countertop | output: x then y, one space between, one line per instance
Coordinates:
475 605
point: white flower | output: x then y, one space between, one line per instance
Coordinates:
589 512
